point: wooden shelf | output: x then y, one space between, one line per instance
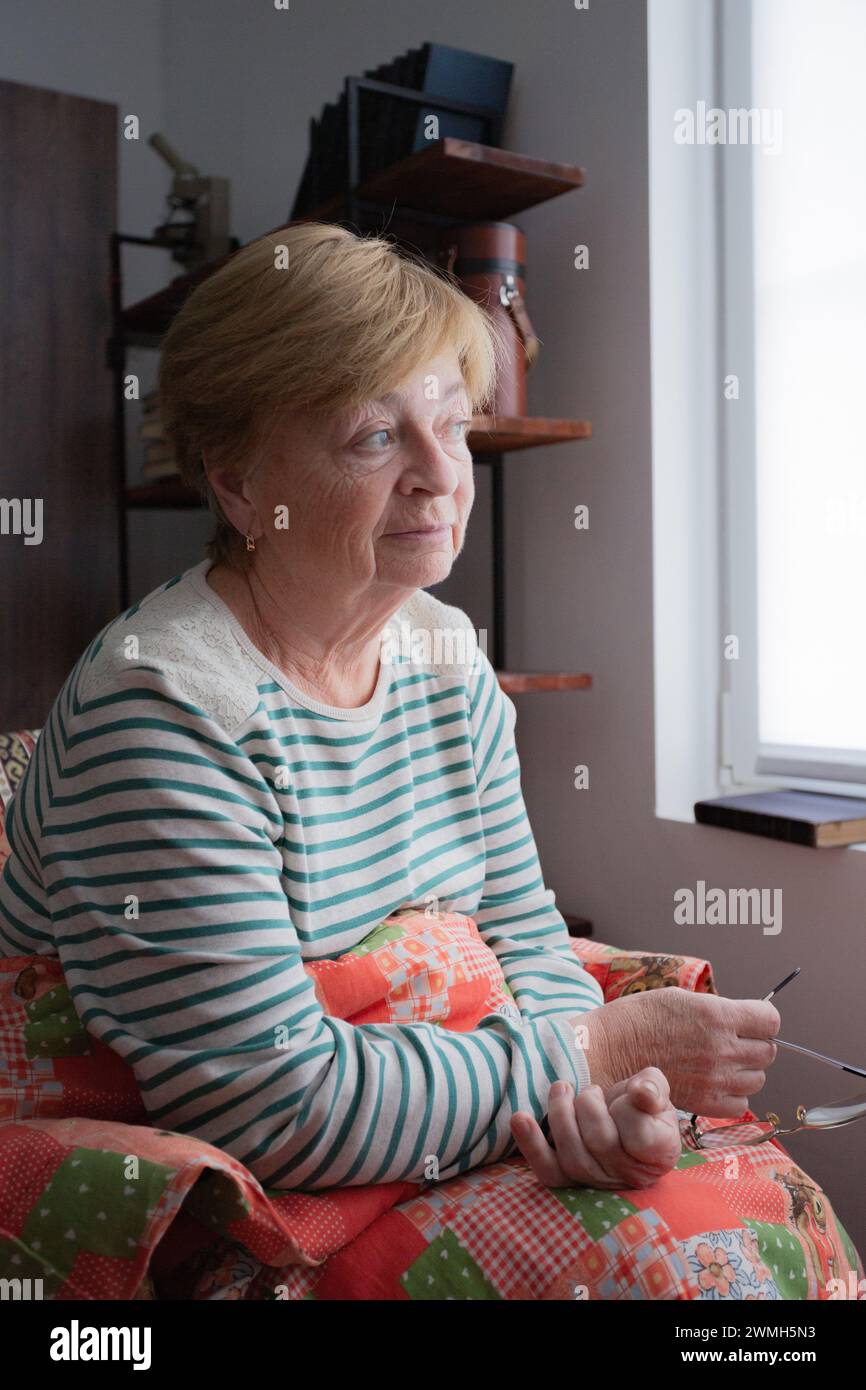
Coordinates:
503 434
452 178
521 682
144 323
463 180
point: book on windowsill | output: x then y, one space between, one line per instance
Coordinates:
802 818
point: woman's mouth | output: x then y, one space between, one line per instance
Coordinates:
425 533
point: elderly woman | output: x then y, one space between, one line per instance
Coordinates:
236 779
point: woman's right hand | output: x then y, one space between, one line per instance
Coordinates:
626 1138
713 1051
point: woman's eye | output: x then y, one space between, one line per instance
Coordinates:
382 436
461 428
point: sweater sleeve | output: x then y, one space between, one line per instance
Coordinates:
160 853
517 915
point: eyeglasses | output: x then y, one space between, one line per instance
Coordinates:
832 1116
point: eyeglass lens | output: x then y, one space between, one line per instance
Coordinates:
830 1116
742 1132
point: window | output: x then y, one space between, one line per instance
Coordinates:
793 356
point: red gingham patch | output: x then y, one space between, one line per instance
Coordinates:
518 1234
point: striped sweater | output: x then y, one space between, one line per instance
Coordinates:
191 829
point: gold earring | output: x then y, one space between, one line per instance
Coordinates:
251 545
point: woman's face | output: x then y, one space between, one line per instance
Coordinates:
377 495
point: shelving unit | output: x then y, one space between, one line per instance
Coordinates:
413 199
452 181
141 325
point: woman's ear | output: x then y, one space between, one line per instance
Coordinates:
232 492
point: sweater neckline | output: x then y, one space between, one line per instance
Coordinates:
196 577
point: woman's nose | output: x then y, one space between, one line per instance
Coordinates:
428 465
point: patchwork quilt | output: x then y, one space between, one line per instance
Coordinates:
97 1204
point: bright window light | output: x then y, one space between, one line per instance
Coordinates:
809 228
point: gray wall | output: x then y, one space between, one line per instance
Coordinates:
233 85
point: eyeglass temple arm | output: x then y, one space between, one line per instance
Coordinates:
821 1057
795 1047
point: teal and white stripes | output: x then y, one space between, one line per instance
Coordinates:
190 829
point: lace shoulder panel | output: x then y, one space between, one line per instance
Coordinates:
179 633
441 636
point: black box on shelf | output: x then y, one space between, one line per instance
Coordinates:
391 128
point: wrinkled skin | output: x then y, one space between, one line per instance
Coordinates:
698 1052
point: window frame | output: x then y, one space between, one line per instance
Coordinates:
746 762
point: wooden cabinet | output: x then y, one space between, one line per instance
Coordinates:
58 175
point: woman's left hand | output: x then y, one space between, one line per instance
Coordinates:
625 1136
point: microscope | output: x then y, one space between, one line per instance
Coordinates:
197 228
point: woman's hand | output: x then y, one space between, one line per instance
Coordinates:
627 1138
713 1051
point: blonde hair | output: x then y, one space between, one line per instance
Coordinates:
345 321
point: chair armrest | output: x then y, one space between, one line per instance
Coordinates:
619 971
